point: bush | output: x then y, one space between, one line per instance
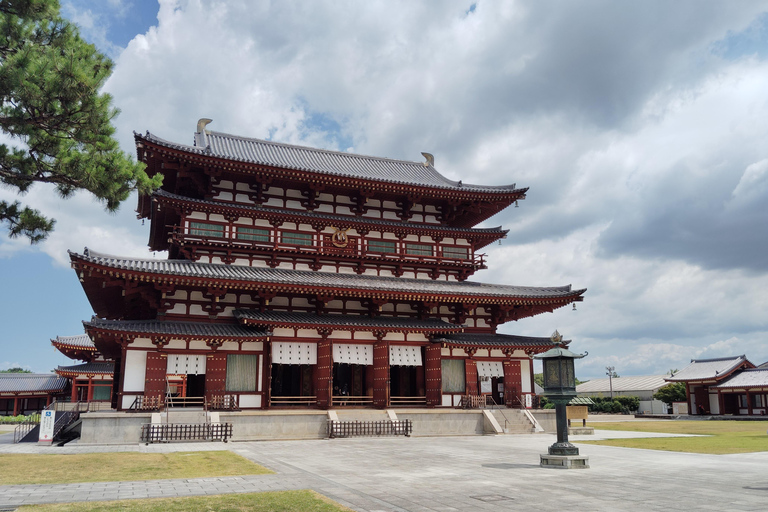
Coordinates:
19 419
619 405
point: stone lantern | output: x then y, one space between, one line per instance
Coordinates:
560 388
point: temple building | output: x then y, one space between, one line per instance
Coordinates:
305 278
90 381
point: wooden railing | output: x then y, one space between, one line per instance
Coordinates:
166 432
185 401
293 400
338 428
147 403
223 403
408 400
351 400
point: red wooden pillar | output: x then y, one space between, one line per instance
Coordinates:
433 371
749 402
90 389
512 381
470 369
154 380
74 390
381 374
324 373
215 374
16 405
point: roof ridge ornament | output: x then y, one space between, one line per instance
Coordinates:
430 159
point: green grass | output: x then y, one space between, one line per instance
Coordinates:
125 466
282 501
722 436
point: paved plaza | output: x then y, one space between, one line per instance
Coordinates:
445 474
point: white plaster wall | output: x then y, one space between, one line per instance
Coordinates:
135 371
714 404
247 401
525 375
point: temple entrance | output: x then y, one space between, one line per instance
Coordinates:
195 385
351 384
497 390
292 384
406 384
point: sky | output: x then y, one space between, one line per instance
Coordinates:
640 129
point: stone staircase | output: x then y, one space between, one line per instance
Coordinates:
517 422
362 414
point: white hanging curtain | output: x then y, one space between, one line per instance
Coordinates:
352 354
490 369
294 353
400 355
186 364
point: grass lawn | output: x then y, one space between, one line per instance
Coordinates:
123 466
722 436
265 501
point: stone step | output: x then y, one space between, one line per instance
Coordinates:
361 414
176 416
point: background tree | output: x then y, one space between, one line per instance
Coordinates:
59 123
671 393
15 369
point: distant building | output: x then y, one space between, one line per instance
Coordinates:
726 385
27 393
90 381
642 387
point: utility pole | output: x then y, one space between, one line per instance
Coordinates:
610 373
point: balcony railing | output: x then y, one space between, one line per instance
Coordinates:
344 400
408 400
293 400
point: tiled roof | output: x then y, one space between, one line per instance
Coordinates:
344 322
81 341
324 280
641 383
708 369
185 329
335 163
98 368
753 378
31 382
493 340
342 220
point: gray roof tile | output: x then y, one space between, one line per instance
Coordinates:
187 329
344 321
708 369
336 163
100 367
80 341
641 383
31 382
493 340
325 280
753 378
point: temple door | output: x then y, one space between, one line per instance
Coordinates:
512 382
381 374
324 374
215 375
154 383
433 374
471 378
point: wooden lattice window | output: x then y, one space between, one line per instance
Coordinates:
418 249
206 229
383 246
456 252
297 238
253 234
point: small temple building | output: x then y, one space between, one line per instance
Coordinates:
90 381
29 393
725 385
305 278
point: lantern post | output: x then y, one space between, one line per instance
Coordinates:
560 388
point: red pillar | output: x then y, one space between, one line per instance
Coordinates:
90 389
324 373
215 375
381 374
16 405
433 371
74 390
154 377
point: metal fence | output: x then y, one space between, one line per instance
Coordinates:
338 428
167 432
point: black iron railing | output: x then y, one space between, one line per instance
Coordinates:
167 432
338 428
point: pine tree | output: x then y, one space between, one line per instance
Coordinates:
59 123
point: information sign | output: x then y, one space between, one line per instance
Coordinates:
47 420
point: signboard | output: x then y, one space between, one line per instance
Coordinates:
528 401
47 420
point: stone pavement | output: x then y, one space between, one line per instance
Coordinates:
446 474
